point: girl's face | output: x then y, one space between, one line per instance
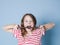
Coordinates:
28 21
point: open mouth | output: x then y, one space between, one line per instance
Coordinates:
29 27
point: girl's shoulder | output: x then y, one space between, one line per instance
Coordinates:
40 31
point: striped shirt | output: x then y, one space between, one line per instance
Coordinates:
33 39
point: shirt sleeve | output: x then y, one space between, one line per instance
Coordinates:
16 32
42 30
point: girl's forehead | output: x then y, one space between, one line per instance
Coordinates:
27 17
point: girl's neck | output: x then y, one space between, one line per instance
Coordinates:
28 31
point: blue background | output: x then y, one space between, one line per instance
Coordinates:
45 11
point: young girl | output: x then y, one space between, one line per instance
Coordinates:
27 33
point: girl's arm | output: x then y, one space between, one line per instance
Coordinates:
10 27
47 26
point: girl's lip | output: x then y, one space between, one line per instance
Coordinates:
29 27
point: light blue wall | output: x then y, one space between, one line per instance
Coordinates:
45 11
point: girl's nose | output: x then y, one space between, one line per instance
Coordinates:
29 22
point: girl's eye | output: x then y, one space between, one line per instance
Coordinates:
30 21
26 21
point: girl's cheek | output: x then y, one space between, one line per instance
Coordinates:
25 24
32 24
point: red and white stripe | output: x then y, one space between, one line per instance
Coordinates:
33 39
